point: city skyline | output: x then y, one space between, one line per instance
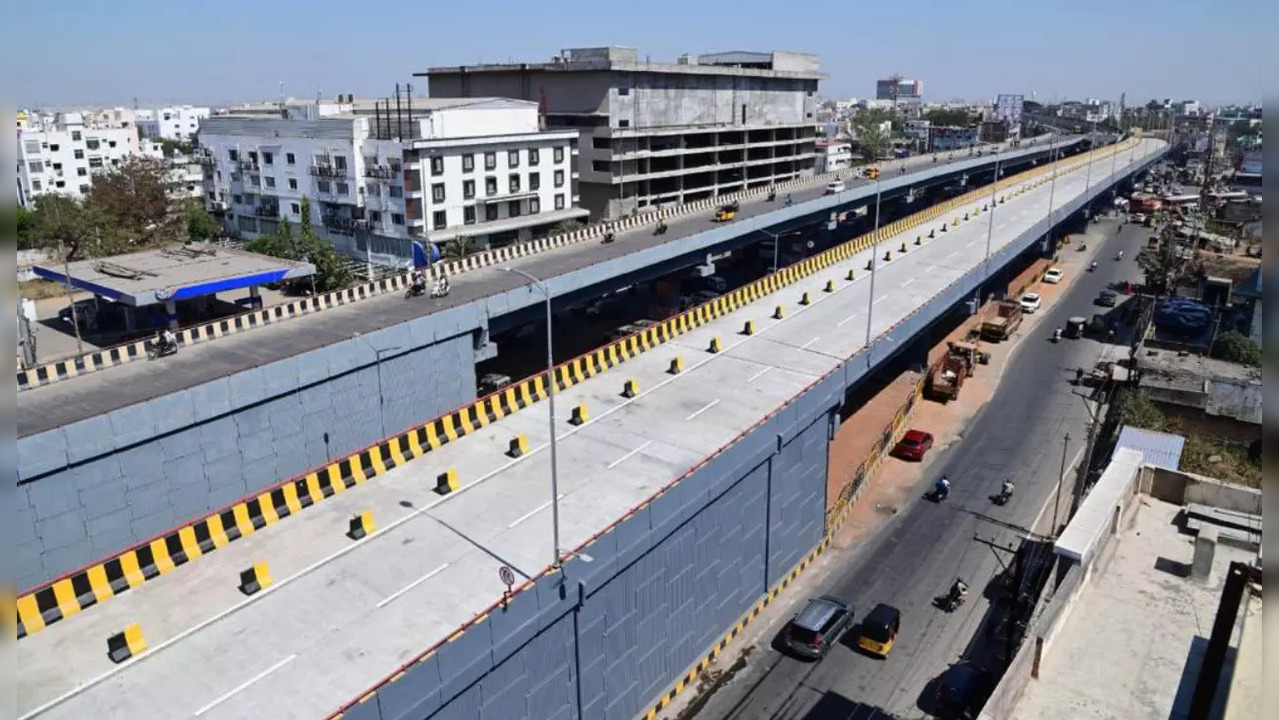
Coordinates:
64 60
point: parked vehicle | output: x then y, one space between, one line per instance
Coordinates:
492 382
1006 321
914 445
1030 302
1108 298
1053 276
962 690
818 626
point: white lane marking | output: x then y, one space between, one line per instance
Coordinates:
629 455
810 342
391 598
845 321
880 299
908 282
533 512
705 407
760 374
244 685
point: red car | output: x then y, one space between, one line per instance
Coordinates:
913 445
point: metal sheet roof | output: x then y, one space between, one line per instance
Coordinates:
1158 449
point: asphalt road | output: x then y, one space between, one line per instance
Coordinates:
918 554
62 403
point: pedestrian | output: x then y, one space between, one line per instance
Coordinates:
1079 375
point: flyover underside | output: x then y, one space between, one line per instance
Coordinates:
659 585
99 471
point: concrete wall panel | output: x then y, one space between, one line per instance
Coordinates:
415 695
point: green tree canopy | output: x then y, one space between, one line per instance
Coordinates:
24 222
64 225
949 117
1232 346
200 225
139 200
459 248
331 273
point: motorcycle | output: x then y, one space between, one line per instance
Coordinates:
951 601
157 347
608 239
1119 255
772 196
440 290
1092 266
414 290
937 494
1057 335
1001 498
660 229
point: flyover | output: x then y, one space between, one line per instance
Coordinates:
116 457
630 610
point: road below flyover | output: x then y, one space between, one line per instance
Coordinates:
917 554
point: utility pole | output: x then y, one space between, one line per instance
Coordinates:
1085 465
1061 478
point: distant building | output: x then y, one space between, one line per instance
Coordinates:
659 133
171 123
832 156
917 129
60 153
1210 396
942 139
908 91
995 131
1188 107
387 185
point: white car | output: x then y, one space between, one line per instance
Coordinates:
1030 302
835 187
1053 276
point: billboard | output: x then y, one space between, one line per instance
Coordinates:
1250 164
1008 108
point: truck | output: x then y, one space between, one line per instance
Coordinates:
1005 322
947 376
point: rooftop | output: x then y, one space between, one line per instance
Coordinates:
1215 386
775 63
178 272
1159 449
1131 645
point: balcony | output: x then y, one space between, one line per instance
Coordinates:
381 172
328 171
249 165
343 225
270 212
204 158
217 205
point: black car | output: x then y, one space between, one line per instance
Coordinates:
962 691
1108 298
818 626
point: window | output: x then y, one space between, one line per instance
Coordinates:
468 162
490 213
513 208
396 191
84 189
33 146
534 156
514 182
290 159
439 219
437 166
92 143
623 91
324 186
339 162
236 199
534 206
397 219
233 154
490 161
343 189
35 186
35 166
601 143
513 158
374 190
534 181
81 171
468 189
623 123
79 154
268 158
75 136
559 178
253 156
468 215
270 181
296 208
375 216
559 201
293 183
59 183
54 147
600 166
490 185
437 192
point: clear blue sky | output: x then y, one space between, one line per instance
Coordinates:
210 51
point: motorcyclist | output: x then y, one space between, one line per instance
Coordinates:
168 340
1056 334
1006 489
957 591
418 281
661 226
789 201
1092 265
441 286
942 488
1119 255
609 237
772 195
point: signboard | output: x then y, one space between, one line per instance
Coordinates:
1008 108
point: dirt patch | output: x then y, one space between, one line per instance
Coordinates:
41 289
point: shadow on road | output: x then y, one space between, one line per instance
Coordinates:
834 706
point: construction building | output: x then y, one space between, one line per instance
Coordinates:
659 133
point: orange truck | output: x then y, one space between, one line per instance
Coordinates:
1005 322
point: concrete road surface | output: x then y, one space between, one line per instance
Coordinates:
918 554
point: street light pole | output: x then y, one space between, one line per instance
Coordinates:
990 224
1061 478
874 264
550 406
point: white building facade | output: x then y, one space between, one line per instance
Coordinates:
61 153
832 156
179 123
479 168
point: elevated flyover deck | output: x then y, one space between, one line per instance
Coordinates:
342 615
93 394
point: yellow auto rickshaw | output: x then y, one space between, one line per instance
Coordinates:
878 630
727 212
872 173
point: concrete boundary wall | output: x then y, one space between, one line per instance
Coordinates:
69 368
94 583
820 399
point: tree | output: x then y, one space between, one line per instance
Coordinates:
200 225
71 230
1232 346
948 117
564 227
278 244
459 248
330 272
25 223
138 199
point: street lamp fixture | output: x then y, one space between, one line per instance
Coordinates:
550 406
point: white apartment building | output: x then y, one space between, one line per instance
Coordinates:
61 153
179 123
380 181
832 156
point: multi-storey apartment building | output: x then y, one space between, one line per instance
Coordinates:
655 133
380 181
171 123
60 153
